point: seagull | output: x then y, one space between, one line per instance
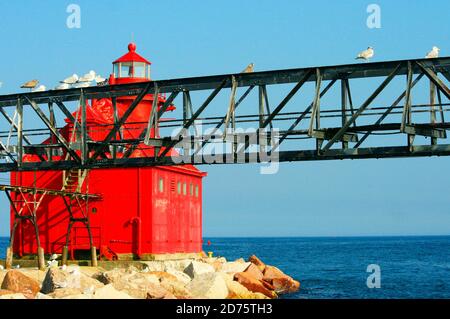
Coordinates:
17 266
71 79
99 79
434 53
82 85
249 68
54 257
52 263
88 77
30 84
40 88
366 54
63 86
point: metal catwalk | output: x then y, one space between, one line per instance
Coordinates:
286 109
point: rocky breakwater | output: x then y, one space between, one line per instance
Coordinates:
207 278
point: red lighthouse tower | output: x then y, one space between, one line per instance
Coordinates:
136 213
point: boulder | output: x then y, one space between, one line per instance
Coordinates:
158 292
64 292
271 272
253 284
20 283
71 277
14 296
2 275
196 268
34 273
208 285
109 292
280 282
237 291
240 260
254 271
181 276
6 292
285 285
176 287
134 284
234 267
256 261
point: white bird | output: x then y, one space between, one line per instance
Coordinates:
82 85
1 267
249 68
40 88
17 266
71 79
54 257
434 53
99 79
366 54
62 86
52 263
88 77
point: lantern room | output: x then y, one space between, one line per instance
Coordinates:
130 67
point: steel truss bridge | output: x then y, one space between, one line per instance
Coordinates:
301 114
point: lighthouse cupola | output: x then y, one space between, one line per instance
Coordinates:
130 68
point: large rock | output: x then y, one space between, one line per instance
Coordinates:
158 292
64 292
208 285
71 277
129 281
256 261
2 275
237 291
254 271
34 273
20 283
253 284
181 276
6 292
175 287
281 282
109 292
234 267
285 285
196 268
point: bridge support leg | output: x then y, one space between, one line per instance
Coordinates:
94 256
41 258
65 255
9 258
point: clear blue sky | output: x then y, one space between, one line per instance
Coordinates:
189 38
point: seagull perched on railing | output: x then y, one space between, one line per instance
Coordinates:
434 53
79 85
249 68
365 55
30 84
62 86
40 88
71 79
88 77
99 79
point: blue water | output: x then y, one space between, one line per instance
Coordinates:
411 267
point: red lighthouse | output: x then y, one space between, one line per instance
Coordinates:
136 213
